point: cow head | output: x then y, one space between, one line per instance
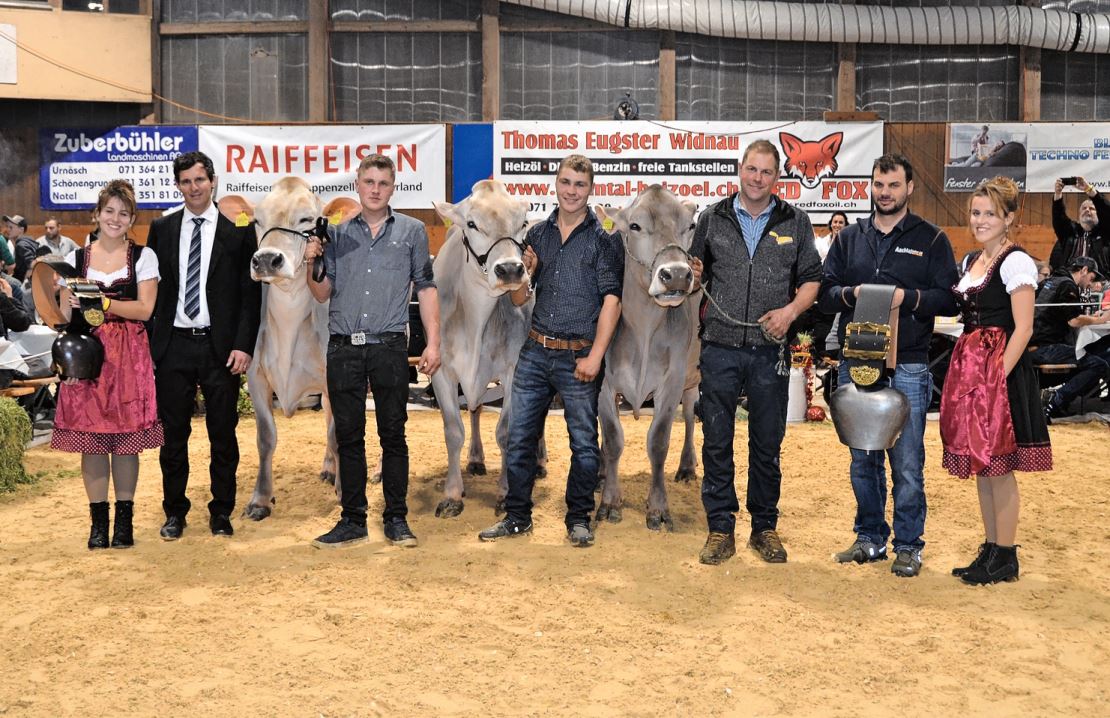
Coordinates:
657 229
492 225
290 205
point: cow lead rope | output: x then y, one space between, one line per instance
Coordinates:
781 367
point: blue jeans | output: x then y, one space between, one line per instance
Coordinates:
540 374
907 468
1053 354
726 373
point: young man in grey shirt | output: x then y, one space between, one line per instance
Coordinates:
373 262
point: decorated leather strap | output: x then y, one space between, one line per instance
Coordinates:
43 289
871 338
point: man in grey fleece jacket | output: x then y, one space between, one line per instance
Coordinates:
760 266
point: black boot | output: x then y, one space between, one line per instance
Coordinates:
984 551
123 536
98 534
1001 565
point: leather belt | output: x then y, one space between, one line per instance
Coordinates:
553 343
870 339
361 338
193 331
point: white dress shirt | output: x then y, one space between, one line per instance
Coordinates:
207 239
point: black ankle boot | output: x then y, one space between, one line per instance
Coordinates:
98 534
123 536
1001 565
984 551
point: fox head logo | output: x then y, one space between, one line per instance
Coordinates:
810 161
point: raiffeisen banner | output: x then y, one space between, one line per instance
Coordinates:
76 163
826 167
1033 154
249 159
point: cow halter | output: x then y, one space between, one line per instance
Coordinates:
320 231
481 258
655 259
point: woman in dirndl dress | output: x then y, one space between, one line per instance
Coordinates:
110 419
991 422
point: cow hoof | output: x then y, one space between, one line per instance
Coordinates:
449 508
658 520
541 472
376 478
610 513
685 475
328 477
476 468
499 507
256 512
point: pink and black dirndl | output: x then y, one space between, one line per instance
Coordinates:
991 424
115 413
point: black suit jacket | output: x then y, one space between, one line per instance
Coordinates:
234 299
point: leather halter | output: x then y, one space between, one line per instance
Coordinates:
481 258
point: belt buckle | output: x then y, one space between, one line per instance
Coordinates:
358 339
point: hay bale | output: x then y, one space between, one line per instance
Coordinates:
15 432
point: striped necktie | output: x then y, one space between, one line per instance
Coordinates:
192 276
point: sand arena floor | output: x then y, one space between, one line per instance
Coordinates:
264 624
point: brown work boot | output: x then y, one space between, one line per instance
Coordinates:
719 547
767 544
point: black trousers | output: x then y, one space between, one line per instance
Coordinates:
384 368
189 362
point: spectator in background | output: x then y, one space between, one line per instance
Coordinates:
813 321
1057 304
1044 271
7 257
1088 236
12 314
1094 365
56 242
26 248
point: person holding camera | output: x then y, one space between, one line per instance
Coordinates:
1086 238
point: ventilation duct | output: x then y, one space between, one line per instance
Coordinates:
809 22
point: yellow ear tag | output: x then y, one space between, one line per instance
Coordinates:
447 223
242 220
608 225
335 218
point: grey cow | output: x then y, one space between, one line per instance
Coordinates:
481 330
655 350
290 355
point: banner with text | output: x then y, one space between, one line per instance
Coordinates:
249 159
826 166
74 164
1034 155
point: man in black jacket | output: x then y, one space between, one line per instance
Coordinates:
1058 299
204 327
1086 238
893 247
756 255
12 315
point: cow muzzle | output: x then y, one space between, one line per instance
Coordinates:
509 274
268 264
671 283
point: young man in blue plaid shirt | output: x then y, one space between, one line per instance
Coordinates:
578 269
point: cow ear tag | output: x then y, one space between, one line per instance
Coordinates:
607 224
242 220
336 218
447 223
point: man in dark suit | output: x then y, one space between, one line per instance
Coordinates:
203 332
